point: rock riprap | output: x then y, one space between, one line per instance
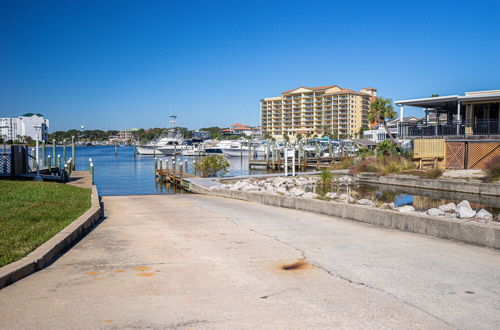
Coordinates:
294 187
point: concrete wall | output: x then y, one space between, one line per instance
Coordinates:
468 232
456 185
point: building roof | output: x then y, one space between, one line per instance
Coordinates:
450 100
31 114
320 88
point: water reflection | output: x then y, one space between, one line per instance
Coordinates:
420 199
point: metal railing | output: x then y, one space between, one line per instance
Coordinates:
479 127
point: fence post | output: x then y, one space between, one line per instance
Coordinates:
54 150
194 167
49 163
186 169
92 172
44 154
180 173
58 161
73 152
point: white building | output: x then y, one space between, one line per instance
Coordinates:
378 133
20 127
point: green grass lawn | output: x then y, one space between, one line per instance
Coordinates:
33 212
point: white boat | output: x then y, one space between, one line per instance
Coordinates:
239 149
167 145
193 151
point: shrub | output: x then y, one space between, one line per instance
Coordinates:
493 170
347 163
364 152
434 173
326 177
213 165
387 148
382 165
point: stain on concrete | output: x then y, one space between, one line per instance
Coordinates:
92 273
297 265
145 274
108 321
141 268
119 271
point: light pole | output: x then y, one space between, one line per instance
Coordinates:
83 132
37 128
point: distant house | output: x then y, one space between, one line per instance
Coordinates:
378 133
240 129
124 136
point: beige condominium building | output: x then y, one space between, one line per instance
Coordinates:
315 110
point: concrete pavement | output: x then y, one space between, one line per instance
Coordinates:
196 261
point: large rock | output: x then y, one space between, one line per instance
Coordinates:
297 192
366 202
435 212
406 209
281 190
310 195
450 207
346 198
249 187
484 215
277 182
465 211
387 206
331 195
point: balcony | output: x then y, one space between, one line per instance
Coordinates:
479 127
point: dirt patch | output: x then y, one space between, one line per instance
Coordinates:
297 265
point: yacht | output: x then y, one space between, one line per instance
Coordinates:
240 149
167 144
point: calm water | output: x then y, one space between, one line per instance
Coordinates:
124 174
420 199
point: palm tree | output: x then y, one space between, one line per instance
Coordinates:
380 110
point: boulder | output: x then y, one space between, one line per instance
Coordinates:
465 211
366 202
435 212
278 181
297 192
281 190
406 209
310 195
387 206
450 207
249 187
331 195
346 198
484 215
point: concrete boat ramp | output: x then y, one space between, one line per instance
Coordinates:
191 261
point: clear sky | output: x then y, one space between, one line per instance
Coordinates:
115 64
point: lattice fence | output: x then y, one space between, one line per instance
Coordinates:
455 155
480 153
5 165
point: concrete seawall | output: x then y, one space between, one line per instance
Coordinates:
46 253
468 232
463 186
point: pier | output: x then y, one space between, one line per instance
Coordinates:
302 164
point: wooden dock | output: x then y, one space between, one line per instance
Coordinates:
301 165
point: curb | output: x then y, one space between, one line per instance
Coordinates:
471 233
49 251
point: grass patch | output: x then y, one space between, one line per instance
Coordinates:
33 212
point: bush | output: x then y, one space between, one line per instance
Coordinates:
434 173
387 148
347 163
326 177
382 165
213 165
365 152
493 170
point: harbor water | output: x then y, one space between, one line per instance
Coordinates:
124 173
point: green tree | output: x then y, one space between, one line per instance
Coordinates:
362 129
286 137
381 110
298 137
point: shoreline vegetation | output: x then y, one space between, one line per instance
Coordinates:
33 212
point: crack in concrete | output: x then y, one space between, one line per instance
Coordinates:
328 271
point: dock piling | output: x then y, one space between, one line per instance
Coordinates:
73 152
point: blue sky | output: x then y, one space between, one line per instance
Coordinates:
117 64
